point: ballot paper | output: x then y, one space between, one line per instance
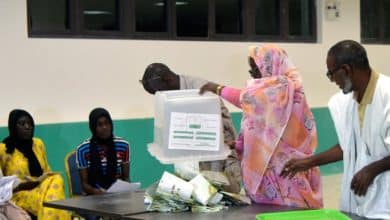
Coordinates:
171 185
203 190
123 186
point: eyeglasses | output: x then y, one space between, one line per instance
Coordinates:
330 73
147 80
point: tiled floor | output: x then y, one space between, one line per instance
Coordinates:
331 190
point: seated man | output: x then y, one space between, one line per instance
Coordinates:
158 77
103 158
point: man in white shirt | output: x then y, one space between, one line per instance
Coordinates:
361 115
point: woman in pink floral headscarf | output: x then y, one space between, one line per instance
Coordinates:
277 125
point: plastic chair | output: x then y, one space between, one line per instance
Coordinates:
72 174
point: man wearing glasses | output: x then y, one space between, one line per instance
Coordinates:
361 115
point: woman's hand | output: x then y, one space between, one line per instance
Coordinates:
209 87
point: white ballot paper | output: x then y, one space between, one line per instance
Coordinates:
172 185
123 186
191 131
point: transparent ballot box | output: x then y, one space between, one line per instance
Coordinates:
187 127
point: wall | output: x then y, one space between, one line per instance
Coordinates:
62 138
61 80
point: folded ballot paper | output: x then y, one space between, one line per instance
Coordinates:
173 186
173 194
123 186
203 190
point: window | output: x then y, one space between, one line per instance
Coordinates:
300 15
234 20
100 15
266 21
228 18
150 16
49 15
192 18
375 21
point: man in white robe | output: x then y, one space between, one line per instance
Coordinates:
361 115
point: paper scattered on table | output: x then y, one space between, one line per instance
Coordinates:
215 199
7 184
123 186
172 185
173 194
236 199
203 190
203 208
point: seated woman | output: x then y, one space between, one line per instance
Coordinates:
277 125
23 155
103 158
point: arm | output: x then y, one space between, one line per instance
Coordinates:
294 166
364 178
86 186
230 94
125 172
126 164
26 186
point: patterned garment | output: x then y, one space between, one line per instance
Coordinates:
122 153
277 125
52 188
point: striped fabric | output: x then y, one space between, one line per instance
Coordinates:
122 152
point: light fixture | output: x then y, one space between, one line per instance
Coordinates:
178 3
92 12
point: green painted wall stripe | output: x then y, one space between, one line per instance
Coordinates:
64 137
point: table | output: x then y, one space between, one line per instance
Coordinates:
113 205
233 213
130 206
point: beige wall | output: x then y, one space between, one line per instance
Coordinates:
61 80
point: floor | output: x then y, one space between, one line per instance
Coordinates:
331 190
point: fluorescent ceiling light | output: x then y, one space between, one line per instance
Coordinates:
159 4
182 3
97 12
177 3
